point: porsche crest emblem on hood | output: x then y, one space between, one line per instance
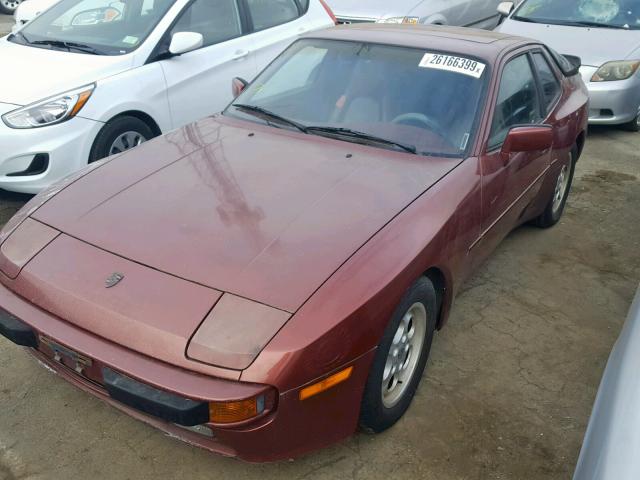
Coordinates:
113 279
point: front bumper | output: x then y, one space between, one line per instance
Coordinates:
291 428
612 103
66 145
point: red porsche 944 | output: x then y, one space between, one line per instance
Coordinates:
263 282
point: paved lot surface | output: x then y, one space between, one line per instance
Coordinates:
6 21
506 395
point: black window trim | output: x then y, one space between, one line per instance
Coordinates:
492 148
554 103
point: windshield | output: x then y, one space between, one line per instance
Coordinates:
392 97
589 13
102 27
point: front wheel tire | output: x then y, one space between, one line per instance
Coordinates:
118 135
400 359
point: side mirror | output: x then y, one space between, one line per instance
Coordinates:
528 139
576 63
183 42
237 86
505 8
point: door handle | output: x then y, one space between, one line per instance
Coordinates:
240 54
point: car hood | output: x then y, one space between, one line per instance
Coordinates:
258 212
595 46
373 9
30 74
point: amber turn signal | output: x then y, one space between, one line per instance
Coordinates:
325 384
237 411
82 100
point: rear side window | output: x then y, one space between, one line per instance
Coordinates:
216 21
518 100
548 81
269 13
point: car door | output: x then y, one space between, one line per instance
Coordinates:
511 181
199 82
275 25
458 12
481 13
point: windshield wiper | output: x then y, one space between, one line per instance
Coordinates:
68 45
269 115
347 132
569 23
585 23
526 19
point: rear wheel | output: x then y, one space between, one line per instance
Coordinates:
555 208
118 135
9 6
400 358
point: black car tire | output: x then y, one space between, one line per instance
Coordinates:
551 214
375 416
633 125
112 130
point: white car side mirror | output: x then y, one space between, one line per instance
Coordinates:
183 42
505 8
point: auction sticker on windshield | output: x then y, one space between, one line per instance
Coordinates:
450 63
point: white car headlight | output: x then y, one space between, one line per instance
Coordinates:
409 20
50 111
612 71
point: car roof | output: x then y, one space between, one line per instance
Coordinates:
471 41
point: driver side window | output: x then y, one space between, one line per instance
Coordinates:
518 100
217 21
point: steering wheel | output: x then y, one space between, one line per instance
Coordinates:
420 120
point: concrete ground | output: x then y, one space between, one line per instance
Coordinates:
506 395
6 21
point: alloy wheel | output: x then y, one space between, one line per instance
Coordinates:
404 354
126 141
562 183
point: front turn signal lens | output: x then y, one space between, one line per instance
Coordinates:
326 384
236 411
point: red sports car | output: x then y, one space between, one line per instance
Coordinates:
264 281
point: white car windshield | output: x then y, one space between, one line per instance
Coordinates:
588 13
102 27
393 97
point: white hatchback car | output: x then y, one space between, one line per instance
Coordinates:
91 78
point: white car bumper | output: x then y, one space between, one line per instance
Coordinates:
62 149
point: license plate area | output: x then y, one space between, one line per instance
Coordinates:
80 364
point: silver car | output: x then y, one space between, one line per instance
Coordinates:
612 442
605 34
468 13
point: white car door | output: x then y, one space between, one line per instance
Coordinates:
276 24
199 82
